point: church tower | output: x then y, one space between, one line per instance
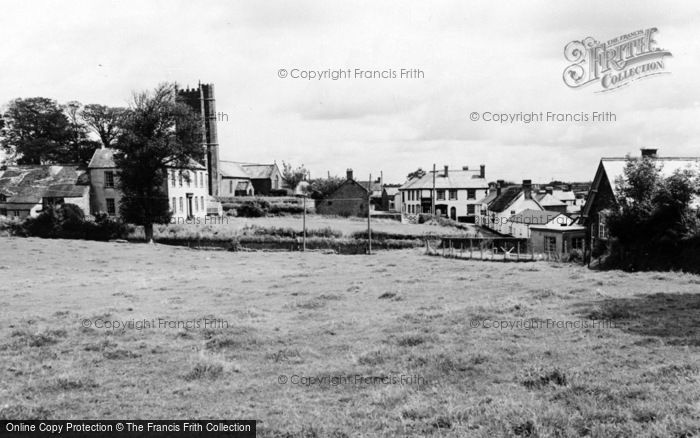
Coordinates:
203 103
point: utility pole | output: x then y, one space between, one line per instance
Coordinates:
432 194
369 222
303 248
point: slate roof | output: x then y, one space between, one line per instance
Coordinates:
391 191
259 171
550 201
534 217
104 159
507 196
455 179
29 184
230 169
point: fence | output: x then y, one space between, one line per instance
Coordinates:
494 249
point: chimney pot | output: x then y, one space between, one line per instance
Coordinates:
549 190
482 171
649 152
349 174
447 171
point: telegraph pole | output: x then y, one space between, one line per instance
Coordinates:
369 222
304 224
432 194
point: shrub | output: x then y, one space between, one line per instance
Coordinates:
68 222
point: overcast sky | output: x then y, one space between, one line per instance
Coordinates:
475 56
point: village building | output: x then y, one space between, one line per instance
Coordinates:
456 194
520 224
498 208
234 180
267 179
186 188
602 196
26 190
557 239
351 198
392 198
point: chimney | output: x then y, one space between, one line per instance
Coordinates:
349 174
465 167
649 153
482 171
527 188
492 187
549 190
447 172
499 186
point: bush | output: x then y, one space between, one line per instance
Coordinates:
68 222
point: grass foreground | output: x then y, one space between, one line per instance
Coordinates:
317 345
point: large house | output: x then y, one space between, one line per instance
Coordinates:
454 193
186 188
27 190
602 196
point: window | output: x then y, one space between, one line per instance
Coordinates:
201 200
196 203
189 178
173 206
453 194
277 182
111 206
471 209
230 186
201 179
602 226
172 177
550 244
195 178
577 243
471 193
441 195
181 205
109 178
180 178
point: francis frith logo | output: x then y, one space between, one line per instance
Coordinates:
615 63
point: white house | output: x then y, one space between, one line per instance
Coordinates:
520 224
456 193
507 202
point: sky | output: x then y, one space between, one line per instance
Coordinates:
474 56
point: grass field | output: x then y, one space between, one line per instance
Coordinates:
420 332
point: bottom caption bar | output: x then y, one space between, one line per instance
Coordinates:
128 428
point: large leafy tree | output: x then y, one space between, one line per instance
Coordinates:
104 121
654 213
38 130
158 131
293 176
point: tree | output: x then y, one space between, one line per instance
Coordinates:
104 121
322 187
35 131
158 131
38 130
79 147
293 176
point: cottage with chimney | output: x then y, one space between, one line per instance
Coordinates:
351 198
455 194
502 203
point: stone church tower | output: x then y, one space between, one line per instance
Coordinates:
201 100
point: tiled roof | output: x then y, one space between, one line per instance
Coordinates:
455 179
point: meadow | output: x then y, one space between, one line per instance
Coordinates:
316 345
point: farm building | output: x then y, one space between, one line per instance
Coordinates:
26 190
350 199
